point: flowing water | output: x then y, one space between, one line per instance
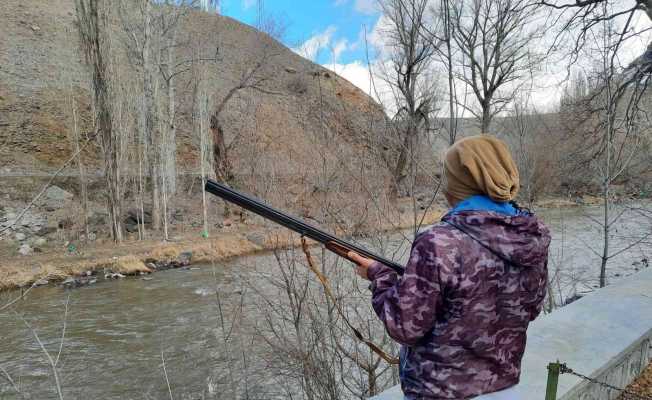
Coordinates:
127 339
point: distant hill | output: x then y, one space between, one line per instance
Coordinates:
40 63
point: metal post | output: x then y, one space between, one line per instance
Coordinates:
553 380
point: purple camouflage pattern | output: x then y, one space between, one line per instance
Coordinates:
464 303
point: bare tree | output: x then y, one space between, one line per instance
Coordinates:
495 41
93 25
527 131
613 118
268 23
254 78
408 73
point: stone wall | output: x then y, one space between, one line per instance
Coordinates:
606 335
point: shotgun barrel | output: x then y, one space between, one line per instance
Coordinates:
332 243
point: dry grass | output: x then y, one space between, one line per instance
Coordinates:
642 385
129 258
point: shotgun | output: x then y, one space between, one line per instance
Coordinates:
337 246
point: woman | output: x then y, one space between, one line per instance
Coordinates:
471 286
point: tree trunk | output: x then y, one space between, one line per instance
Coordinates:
80 165
373 386
486 118
452 123
93 20
220 152
151 144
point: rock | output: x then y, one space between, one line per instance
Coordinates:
290 70
131 228
177 215
72 282
41 282
69 281
46 230
66 223
185 258
25 250
92 237
257 238
20 236
55 193
97 219
227 222
40 242
134 214
50 209
113 275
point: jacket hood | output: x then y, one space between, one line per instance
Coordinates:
521 240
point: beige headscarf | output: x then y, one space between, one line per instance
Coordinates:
481 165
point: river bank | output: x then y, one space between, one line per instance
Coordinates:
101 260
106 260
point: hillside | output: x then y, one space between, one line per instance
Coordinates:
40 63
297 138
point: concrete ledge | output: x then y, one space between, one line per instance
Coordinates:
606 335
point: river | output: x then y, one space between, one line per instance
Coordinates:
174 334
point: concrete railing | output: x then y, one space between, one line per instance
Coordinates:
606 335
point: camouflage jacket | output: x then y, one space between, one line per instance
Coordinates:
472 285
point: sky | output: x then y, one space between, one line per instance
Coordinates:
328 32
332 33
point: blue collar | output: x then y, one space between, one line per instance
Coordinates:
484 203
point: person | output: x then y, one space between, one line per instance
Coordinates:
471 286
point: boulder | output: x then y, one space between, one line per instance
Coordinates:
20 236
25 249
41 282
257 238
40 242
66 223
55 193
134 214
46 230
185 258
97 219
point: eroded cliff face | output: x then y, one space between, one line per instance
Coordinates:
298 105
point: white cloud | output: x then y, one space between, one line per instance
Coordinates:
323 42
312 47
247 4
340 47
368 7
355 72
358 74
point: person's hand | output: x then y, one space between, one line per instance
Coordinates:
363 263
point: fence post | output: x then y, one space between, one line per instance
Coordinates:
553 380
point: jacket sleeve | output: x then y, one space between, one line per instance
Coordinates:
542 290
408 304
